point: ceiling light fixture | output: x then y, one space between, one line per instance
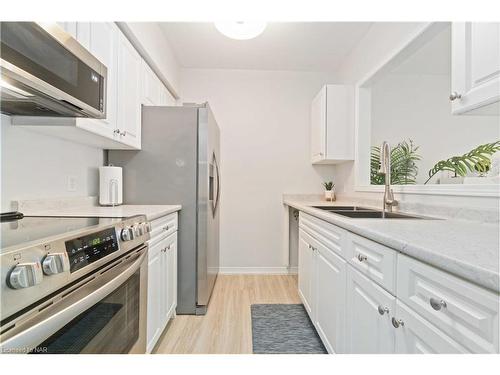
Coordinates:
240 30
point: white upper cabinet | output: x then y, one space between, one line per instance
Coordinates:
332 125
129 93
166 97
69 27
475 68
103 44
152 89
150 85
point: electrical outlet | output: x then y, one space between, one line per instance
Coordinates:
71 183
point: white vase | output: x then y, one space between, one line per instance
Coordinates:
330 195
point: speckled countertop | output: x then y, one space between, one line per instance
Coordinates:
87 207
467 249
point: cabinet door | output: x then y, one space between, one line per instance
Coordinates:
104 46
368 330
165 97
69 27
171 273
150 85
318 127
83 34
155 300
330 285
417 336
476 66
305 268
129 94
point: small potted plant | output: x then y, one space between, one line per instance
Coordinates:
329 191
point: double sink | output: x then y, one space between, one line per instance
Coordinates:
358 212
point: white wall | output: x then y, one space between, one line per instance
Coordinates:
263 117
36 166
375 48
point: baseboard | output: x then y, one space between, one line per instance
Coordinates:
257 270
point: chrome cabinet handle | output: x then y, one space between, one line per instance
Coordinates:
166 228
455 95
437 304
397 322
383 310
312 247
362 258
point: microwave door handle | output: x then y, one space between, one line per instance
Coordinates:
31 337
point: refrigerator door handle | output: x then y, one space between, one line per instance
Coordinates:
217 195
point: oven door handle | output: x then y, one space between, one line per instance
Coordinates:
35 334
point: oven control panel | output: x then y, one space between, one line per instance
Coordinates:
88 249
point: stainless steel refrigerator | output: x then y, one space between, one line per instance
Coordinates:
179 164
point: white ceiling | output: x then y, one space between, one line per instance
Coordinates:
303 46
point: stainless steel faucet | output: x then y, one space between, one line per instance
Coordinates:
385 169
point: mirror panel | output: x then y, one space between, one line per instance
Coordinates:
407 104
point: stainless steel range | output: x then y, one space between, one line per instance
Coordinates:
73 285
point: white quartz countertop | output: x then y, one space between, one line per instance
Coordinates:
467 249
87 207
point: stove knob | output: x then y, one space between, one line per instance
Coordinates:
54 264
147 227
138 231
127 234
25 275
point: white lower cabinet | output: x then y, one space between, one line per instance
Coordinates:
369 310
329 306
155 260
322 290
162 285
363 297
305 270
415 335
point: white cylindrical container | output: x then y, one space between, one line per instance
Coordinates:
110 186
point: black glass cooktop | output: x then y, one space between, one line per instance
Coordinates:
33 228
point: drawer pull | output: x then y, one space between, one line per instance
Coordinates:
383 310
397 322
437 304
166 228
362 258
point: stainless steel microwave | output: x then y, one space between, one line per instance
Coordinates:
46 72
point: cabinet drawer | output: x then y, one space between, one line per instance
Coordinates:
468 313
163 226
158 246
330 235
418 336
373 260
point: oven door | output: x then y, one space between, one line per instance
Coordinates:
105 313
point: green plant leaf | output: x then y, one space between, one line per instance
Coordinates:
404 169
476 160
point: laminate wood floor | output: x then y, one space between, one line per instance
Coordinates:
226 328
